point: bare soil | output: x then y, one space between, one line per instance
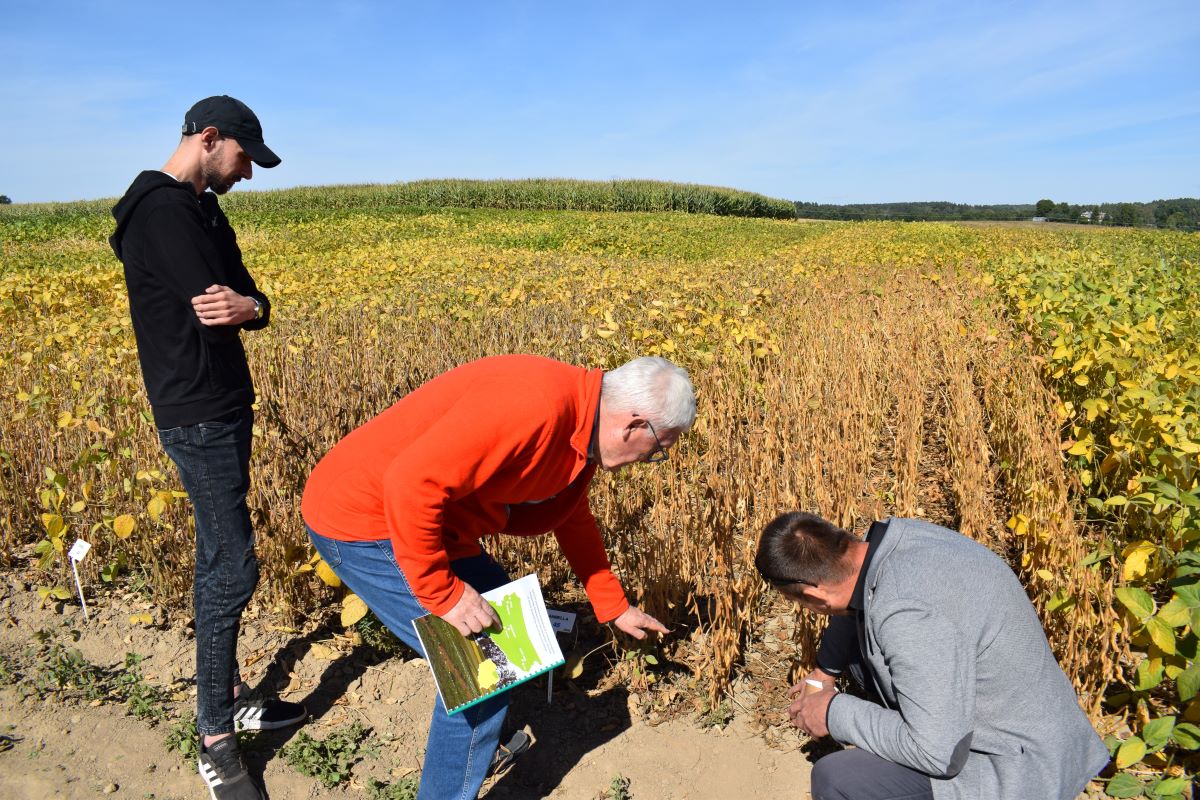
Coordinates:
592 731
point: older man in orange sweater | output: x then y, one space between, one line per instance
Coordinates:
506 444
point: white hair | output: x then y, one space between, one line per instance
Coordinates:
653 388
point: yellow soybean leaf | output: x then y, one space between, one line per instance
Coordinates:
1137 560
65 419
55 525
327 575
56 593
322 651
1131 751
1018 524
156 507
1082 380
353 609
141 619
123 526
1079 449
1161 634
574 665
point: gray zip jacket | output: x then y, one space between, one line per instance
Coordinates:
972 694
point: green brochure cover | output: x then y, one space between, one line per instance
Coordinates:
470 670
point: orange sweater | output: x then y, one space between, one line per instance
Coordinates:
496 445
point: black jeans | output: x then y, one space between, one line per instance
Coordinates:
213 459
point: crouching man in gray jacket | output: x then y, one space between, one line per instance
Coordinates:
968 701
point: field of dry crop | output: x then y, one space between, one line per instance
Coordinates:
857 370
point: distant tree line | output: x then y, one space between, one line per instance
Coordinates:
1182 213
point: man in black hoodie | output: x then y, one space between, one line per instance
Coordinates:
190 296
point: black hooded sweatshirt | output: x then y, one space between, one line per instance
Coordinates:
174 245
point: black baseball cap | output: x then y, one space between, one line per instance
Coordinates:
234 119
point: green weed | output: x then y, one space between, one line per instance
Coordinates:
376 636
10 672
184 739
618 788
716 716
330 760
65 672
403 789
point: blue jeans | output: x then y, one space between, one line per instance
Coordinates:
460 746
213 459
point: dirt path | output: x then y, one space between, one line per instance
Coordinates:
76 748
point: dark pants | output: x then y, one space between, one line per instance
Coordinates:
857 774
213 459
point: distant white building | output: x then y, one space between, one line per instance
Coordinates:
1086 216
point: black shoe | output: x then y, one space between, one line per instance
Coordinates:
220 765
250 714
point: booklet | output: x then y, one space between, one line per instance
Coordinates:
470 670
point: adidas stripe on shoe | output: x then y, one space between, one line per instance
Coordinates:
266 715
221 768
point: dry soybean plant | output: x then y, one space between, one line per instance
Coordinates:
855 371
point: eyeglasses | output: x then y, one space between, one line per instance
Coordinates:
659 454
771 579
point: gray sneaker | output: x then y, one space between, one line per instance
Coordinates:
220 766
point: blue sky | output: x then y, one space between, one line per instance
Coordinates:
1000 102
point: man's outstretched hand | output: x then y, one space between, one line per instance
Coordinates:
637 623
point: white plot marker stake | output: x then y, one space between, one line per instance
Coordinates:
76 554
561 622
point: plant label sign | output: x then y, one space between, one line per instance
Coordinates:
79 550
561 621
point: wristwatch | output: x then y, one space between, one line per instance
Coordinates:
258 308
